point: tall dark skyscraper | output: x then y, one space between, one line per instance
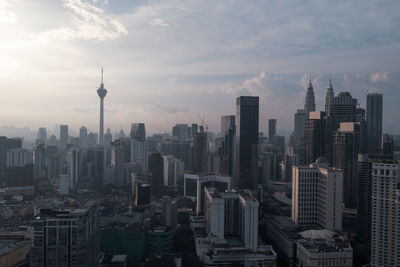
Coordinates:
83 136
246 141
63 136
101 92
315 137
199 149
271 130
345 154
374 122
309 104
138 131
156 171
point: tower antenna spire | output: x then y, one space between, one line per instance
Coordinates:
101 74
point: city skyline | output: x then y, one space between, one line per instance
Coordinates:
147 50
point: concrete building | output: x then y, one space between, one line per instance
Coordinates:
140 155
83 136
173 170
66 237
317 195
385 232
194 187
323 248
14 253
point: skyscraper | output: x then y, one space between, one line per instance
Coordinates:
271 130
309 104
42 135
374 122
101 92
345 154
83 136
385 234
138 131
226 122
246 141
315 137
199 150
299 119
63 136
156 171
329 96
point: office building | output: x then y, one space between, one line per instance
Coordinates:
66 237
194 129
5 145
345 153
271 130
40 161
309 103
18 157
180 150
73 166
101 92
181 132
118 163
42 136
226 122
156 172
299 119
138 131
83 136
385 233
317 195
143 194
194 187
342 109
63 136
95 165
330 95
173 171
374 121
246 141
323 248
199 152
316 135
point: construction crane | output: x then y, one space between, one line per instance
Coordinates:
363 97
203 121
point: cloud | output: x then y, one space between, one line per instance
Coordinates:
88 22
6 16
255 86
379 77
159 23
84 110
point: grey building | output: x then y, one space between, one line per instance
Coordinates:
63 136
66 237
138 131
309 104
226 122
271 130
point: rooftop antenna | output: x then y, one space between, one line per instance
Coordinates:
101 74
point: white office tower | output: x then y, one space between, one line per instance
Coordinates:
317 195
385 233
231 225
173 170
232 214
73 166
140 154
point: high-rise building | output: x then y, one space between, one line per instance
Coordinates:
246 141
63 136
173 171
5 145
66 237
232 214
181 132
194 129
374 122
73 166
316 137
42 135
199 150
101 92
118 163
83 136
317 195
299 119
345 153
138 131
226 122
156 172
271 130
309 104
39 161
329 97
343 108
385 234
107 138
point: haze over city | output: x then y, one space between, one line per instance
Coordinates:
167 61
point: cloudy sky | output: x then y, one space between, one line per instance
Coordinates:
167 61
